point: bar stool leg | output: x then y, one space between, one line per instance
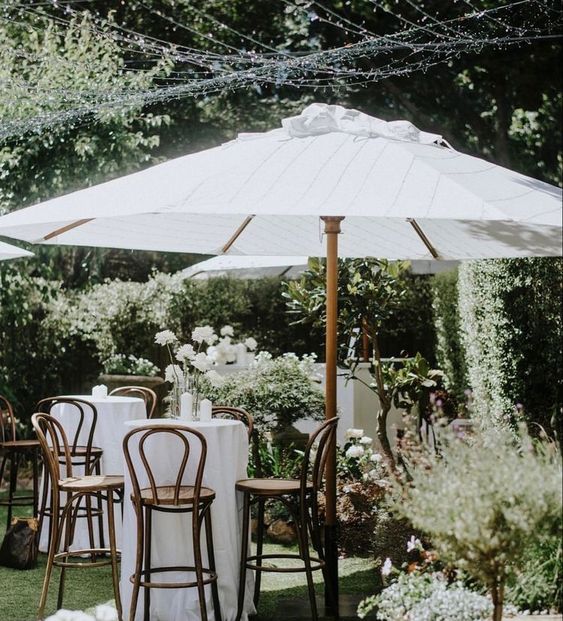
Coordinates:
148 554
35 470
138 563
97 470
53 529
303 542
212 567
67 519
196 533
243 554
113 554
14 465
259 544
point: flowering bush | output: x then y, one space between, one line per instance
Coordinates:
483 501
427 597
276 391
120 364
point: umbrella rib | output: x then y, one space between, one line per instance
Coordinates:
237 234
423 237
67 227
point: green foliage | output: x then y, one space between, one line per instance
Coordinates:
450 351
276 391
122 364
482 502
512 325
538 584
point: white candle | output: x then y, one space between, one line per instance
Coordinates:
205 409
186 406
240 349
103 391
96 392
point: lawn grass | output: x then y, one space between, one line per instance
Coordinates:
20 590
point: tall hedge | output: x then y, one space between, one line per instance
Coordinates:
450 350
511 325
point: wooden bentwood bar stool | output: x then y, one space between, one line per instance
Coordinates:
12 452
83 455
54 443
300 496
177 498
146 394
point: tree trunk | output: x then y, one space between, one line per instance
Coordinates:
498 600
383 439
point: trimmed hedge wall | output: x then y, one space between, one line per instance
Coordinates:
450 351
511 325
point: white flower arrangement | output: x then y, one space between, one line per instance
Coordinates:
355 451
361 461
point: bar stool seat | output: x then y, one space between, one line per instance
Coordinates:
166 495
20 445
92 483
270 487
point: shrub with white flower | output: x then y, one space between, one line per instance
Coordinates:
359 461
225 350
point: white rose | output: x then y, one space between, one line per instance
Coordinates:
202 362
203 334
227 331
173 373
355 451
186 352
166 337
354 433
251 343
366 440
376 457
214 378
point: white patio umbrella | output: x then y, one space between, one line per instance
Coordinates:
7 251
387 189
242 266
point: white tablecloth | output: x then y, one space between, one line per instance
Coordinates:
227 457
108 435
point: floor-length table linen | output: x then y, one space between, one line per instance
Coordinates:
108 435
227 459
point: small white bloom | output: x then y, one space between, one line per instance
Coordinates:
387 567
413 544
214 378
204 334
376 458
354 433
202 362
227 331
366 440
104 612
355 451
251 344
166 337
173 373
186 352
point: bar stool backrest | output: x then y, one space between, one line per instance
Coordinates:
87 418
315 458
188 438
7 421
54 446
230 413
146 394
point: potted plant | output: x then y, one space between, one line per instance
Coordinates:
129 370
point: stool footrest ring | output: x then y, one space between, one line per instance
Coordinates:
316 563
84 552
172 585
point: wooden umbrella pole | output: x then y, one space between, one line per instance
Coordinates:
332 230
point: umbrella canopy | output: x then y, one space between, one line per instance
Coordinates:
385 189
7 251
242 266
404 193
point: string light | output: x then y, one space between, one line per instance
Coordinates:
192 72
